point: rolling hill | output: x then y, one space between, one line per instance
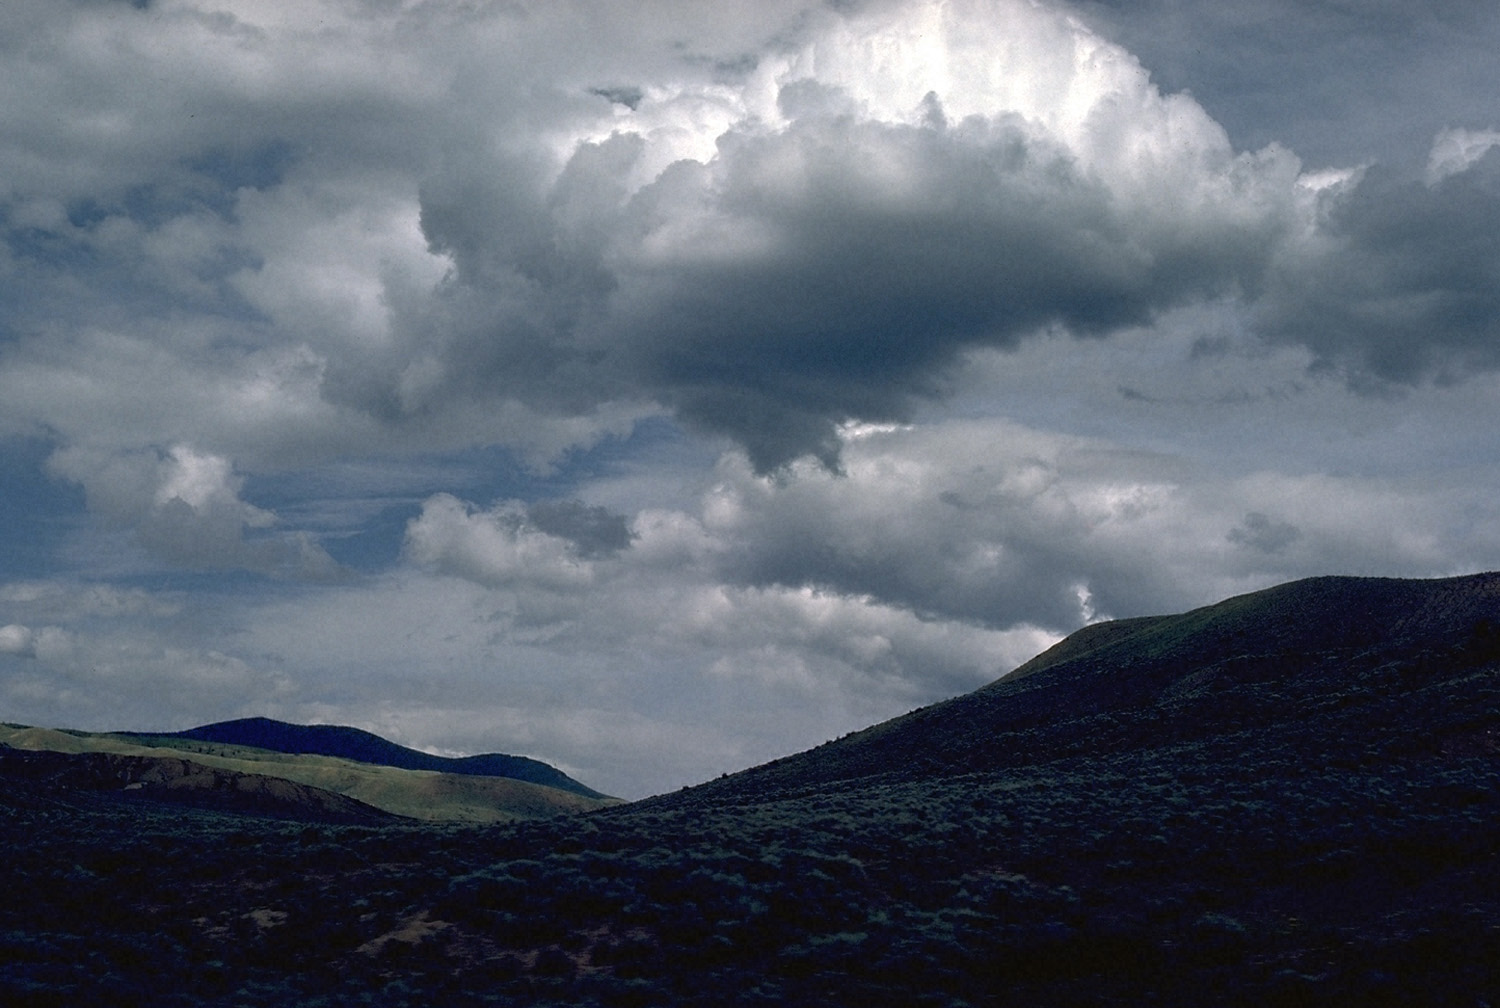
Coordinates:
231 768
366 747
1287 798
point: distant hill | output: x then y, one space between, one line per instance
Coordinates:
366 747
223 769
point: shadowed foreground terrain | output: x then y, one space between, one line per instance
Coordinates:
1289 798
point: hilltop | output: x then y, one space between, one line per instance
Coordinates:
366 747
1290 797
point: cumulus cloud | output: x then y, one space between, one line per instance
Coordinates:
769 230
942 551
185 507
667 591
1455 150
991 524
817 236
496 547
363 228
16 640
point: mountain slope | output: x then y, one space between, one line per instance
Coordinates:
365 747
1292 663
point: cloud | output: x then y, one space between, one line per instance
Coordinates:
499 547
184 507
1258 532
1396 282
666 591
818 236
957 530
364 229
16 640
1339 83
1454 151
991 524
594 531
102 657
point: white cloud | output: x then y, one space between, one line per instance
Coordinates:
990 523
185 507
16 640
497 548
1455 151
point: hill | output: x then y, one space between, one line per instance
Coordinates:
1287 798
415 794
182 782
1324 665
366 747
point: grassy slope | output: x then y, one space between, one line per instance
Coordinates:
361 746
417 794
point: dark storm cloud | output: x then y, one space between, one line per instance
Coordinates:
1404 283
768 246
628 96
866 296
770 280
771 231
1263 534
596 532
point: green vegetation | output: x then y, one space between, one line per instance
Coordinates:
364 747
416 794
1234 824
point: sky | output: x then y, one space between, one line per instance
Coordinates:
659 388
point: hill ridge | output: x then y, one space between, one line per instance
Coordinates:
1213 671
362 746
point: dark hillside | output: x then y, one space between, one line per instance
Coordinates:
366 747
182 782
1299 664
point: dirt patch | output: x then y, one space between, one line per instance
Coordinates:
412 931
265 918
